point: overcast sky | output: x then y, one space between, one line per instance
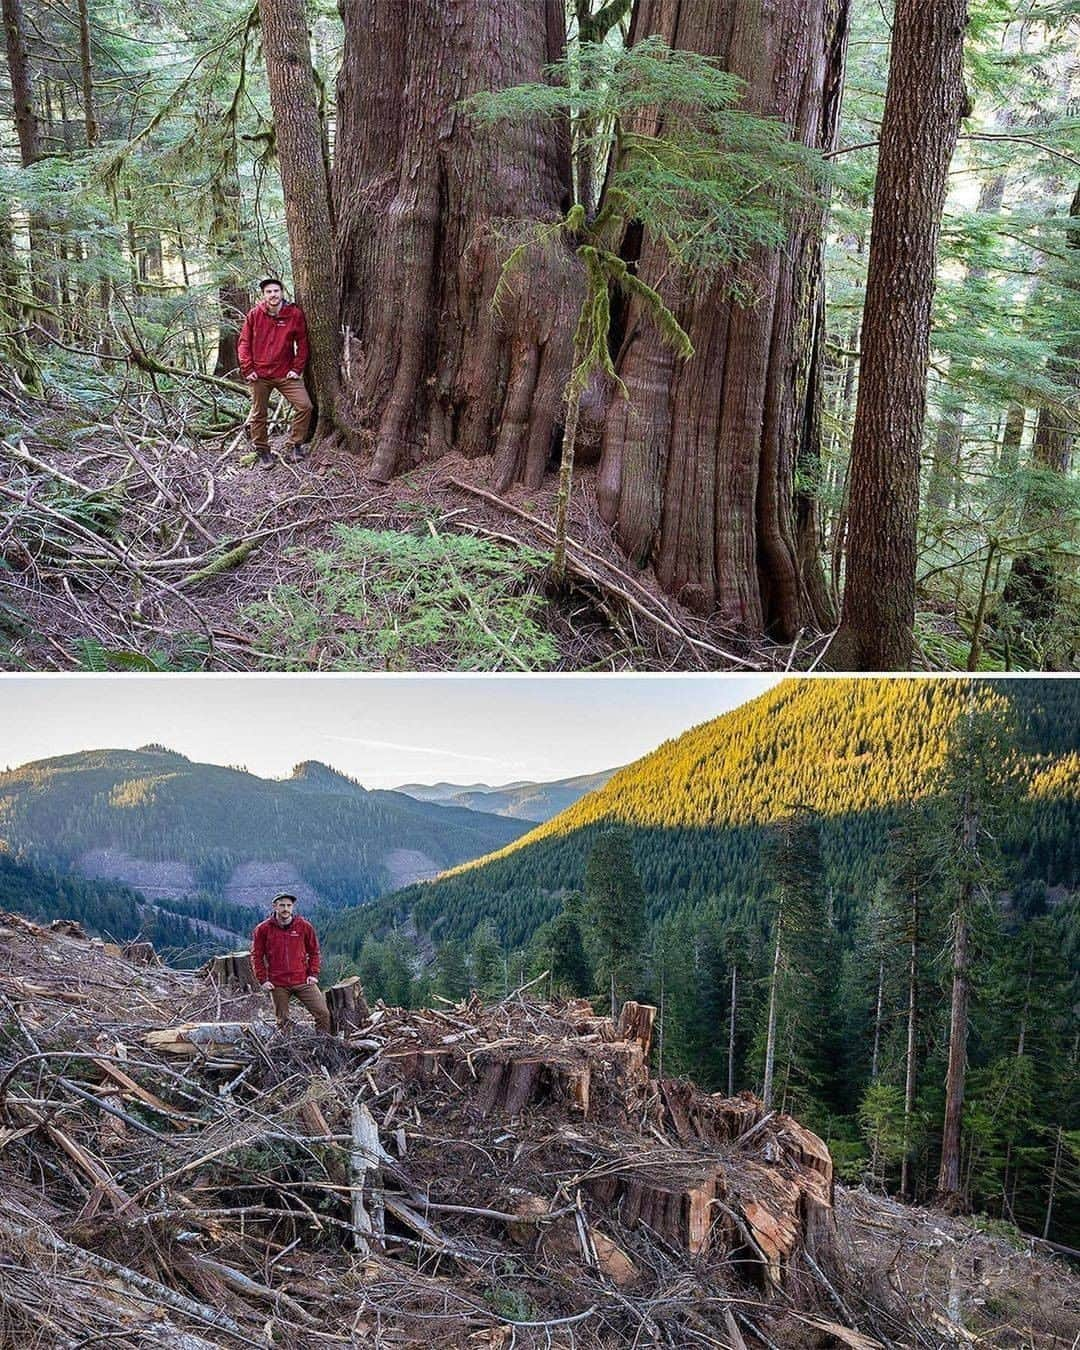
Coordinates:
384 730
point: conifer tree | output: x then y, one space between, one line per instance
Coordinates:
973 794
615 906
799 1007
451 971
486 969
564 948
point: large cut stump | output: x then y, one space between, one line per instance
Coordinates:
231 971
348 1006
678 1203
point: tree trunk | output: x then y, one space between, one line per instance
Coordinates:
305 185
770 1035
910 1061
1034 582
1011 438
877 1021
26 126
422 196
86 67
731 1033
698 462
227 247
1053 1185
923 108
956 1071
30 151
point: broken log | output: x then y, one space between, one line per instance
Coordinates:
365 1161
349 1010
207 1037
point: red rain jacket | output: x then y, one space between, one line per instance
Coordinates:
285 956
273 344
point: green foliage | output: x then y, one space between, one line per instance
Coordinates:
881 1120
451 971
560 948
400 601
615 910
712 186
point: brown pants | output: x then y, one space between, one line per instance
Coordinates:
310 995
295 393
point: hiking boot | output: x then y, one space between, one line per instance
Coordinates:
264 459
296 454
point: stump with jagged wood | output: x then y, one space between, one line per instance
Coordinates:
349 1010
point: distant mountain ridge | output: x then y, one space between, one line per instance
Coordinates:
157 821
525 800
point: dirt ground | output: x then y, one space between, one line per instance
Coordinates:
177 504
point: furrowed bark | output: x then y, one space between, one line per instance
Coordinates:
428 204
924 104
306 188
698 465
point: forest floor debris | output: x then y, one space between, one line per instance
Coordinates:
500 1175
132 542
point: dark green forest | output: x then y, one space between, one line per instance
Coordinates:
106 910
873 769
157 805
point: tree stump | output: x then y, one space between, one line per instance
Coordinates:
141 953
636 1024
348 1006
231 971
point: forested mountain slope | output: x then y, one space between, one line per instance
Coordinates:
105 909
523 801
171 828
788 884
697 806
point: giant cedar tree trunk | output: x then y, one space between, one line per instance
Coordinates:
306 188
923 107
698 464
419 192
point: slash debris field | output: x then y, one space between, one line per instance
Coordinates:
178 1173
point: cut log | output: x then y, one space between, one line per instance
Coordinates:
349 1010
636 1024
231 971
207 1037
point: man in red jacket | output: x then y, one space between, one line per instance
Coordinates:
273 351
285 958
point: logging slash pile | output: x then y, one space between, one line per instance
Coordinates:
177 1172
